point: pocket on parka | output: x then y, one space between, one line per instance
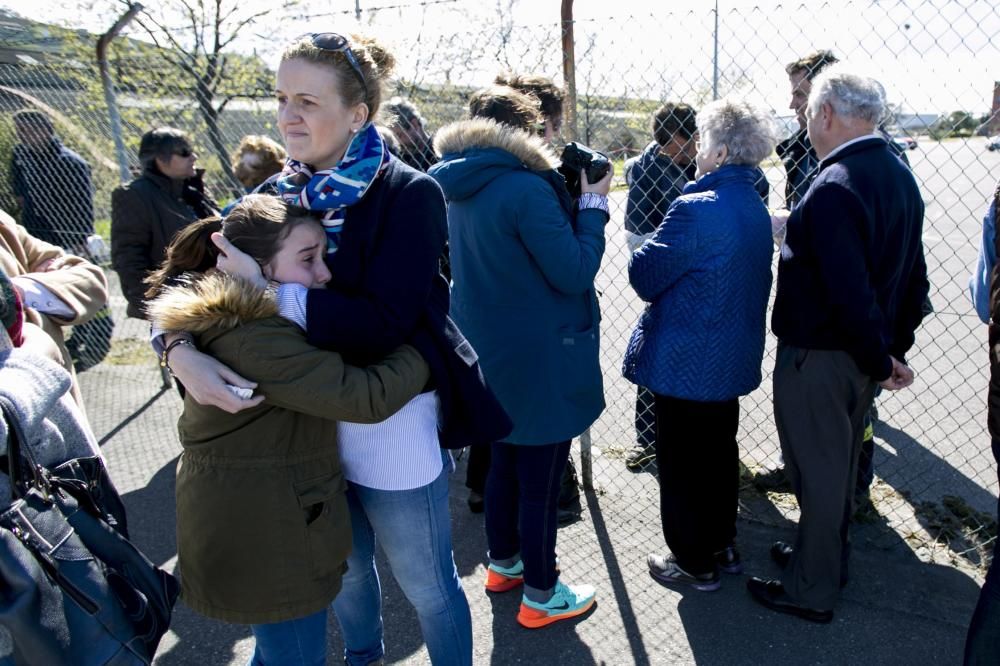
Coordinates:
327 521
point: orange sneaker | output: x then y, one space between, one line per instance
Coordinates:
502 579
565 603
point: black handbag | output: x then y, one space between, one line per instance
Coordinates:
73 589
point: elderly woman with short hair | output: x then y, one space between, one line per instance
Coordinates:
706 276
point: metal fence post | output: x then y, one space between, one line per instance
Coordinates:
569 74
116 119
569 69
109 89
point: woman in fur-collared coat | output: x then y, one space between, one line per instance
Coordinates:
263 531
524 256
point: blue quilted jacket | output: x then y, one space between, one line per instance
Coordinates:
706 276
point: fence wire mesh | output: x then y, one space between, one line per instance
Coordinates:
935 482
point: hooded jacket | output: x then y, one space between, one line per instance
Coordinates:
523 270
262 521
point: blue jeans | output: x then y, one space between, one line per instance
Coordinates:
522 491
414 530
299 642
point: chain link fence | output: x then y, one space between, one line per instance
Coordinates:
936 485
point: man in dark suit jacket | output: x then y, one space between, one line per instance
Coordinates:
851 284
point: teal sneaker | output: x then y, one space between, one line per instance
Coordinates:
501 579
566 602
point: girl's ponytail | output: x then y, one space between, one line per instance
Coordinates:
192 250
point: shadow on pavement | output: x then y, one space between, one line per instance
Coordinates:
912 455
132 417
621 596
894 610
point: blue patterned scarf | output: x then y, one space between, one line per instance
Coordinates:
330 191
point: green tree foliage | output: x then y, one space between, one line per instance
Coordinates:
194 88
955 124
194 40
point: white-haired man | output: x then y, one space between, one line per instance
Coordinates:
851 283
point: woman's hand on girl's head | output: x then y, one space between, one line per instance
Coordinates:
206 380
602 187
233 261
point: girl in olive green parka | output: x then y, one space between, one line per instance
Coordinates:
262 522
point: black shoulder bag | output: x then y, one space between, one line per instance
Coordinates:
73 589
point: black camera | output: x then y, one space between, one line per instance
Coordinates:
577 157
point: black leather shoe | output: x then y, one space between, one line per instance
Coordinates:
781 554
729 561
771 594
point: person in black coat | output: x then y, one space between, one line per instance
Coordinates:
52 185
146 213
852 281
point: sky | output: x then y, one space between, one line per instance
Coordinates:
931 55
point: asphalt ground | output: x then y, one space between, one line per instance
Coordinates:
911 592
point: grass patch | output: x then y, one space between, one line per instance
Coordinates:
130 351
102 227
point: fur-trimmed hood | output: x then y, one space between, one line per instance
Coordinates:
475 152
216 300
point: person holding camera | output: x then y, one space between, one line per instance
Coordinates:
706 276
524 256
550 99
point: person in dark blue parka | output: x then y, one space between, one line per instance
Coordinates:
706 274
524 257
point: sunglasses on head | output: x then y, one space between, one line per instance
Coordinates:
331 41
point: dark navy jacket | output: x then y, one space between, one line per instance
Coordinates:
386 289
654 182
58 196
852 274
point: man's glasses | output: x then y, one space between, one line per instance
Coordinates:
331 41
184 152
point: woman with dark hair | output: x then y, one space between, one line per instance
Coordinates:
167 196
385 230
524 256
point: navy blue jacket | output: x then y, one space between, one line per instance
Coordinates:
57 193
852 274
706 274
386 289
654 181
